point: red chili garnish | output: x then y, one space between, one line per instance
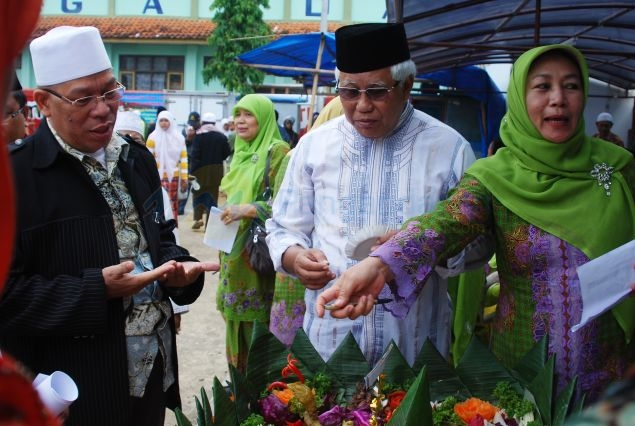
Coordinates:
394 398
276 385
292 369
296 423
388 413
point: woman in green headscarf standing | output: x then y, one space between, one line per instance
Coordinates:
554 199
243 295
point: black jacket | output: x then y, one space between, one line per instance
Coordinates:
54 314
208 148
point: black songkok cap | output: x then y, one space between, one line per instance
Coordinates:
369 47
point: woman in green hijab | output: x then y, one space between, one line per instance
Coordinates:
244 296
554 198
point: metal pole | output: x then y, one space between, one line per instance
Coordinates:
318 63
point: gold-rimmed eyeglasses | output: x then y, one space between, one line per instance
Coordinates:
109 97
374 93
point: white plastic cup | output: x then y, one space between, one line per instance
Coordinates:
57 391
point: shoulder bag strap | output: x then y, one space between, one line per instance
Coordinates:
267 166
266 194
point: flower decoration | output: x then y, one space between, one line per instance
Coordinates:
295 387
474 408
310 403
288 404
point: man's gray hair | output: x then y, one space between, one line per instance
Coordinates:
401 71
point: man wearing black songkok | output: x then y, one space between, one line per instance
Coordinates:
358 177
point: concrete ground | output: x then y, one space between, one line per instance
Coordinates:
201 341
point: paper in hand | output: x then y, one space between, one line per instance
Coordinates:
605 281
57 391
217 234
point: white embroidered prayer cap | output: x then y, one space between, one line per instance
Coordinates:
131 121
66 53
208 117
604 116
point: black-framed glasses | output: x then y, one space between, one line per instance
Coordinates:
14 114
109 97
374 93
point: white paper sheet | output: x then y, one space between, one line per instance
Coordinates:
217 234
57 391
606 280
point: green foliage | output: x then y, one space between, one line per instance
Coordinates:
443 378
480 371
415 408
478 374
203 409
239 28
296 406
509 399
348 365
181 420
254 420
444 413
321 382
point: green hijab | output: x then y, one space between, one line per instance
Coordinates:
242 183
551 185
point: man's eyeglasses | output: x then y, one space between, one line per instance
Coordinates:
14 114
109 97
374 93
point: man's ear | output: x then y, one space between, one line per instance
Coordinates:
42 99
408 83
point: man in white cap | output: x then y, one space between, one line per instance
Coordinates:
130 124
358 176
604 123
94 260
209 150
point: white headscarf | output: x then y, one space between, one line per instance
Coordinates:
168 145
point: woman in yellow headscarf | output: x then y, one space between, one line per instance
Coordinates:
243 295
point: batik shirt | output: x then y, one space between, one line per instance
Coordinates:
147 328
338 183
539 285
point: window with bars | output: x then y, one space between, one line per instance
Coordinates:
143 72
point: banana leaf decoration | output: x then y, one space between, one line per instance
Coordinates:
416 405
432 377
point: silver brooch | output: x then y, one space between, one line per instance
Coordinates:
254 158
602 172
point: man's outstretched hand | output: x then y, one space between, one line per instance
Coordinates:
185 273
120 282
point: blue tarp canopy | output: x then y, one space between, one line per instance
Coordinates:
295 56
476 83
453 33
